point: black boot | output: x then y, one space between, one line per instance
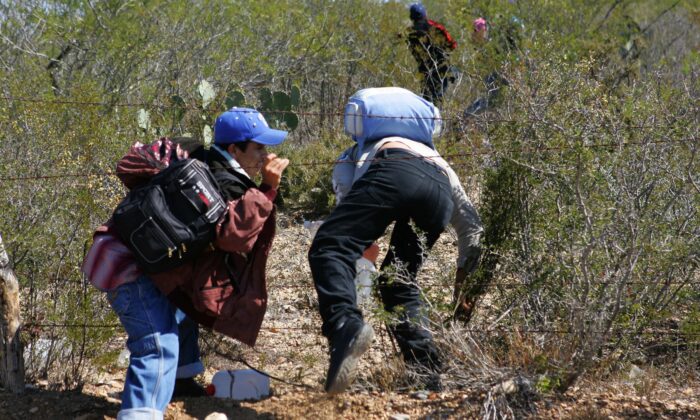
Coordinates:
188 387
420 354
349 341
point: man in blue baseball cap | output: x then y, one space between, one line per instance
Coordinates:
223 288
241 136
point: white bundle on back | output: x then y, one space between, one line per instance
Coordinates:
375 113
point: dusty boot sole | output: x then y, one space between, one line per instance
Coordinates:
348 368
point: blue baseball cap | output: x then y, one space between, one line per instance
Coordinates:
417 11
242 124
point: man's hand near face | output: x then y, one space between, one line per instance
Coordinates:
272 170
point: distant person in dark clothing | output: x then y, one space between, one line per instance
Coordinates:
431 45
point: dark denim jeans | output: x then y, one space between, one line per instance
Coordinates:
401 188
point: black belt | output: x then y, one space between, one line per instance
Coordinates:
398 153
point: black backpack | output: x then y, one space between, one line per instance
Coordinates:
170 220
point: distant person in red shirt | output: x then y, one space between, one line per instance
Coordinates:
431 45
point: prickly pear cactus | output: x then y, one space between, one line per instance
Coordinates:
235 98
277 107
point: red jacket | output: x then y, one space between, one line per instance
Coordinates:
223 289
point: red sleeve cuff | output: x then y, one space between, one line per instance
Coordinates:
269 192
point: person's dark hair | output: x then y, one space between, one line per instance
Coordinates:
243 145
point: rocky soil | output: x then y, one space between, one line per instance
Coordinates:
291 348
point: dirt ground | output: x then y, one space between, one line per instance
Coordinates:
101 401
290 347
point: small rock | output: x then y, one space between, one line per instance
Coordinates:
635 373
399 416
506 387
421 395
512 386
123 358
112 400
216 416
33 410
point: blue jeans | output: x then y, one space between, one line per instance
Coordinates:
163 346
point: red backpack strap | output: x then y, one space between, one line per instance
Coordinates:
451 43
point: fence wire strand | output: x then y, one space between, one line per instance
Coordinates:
455 159
339 113
276 329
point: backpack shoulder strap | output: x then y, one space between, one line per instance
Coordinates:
231 187
451 43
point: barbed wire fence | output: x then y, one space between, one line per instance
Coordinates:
455 159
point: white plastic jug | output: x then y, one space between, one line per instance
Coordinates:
312 227
242 384
364 266
363 279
